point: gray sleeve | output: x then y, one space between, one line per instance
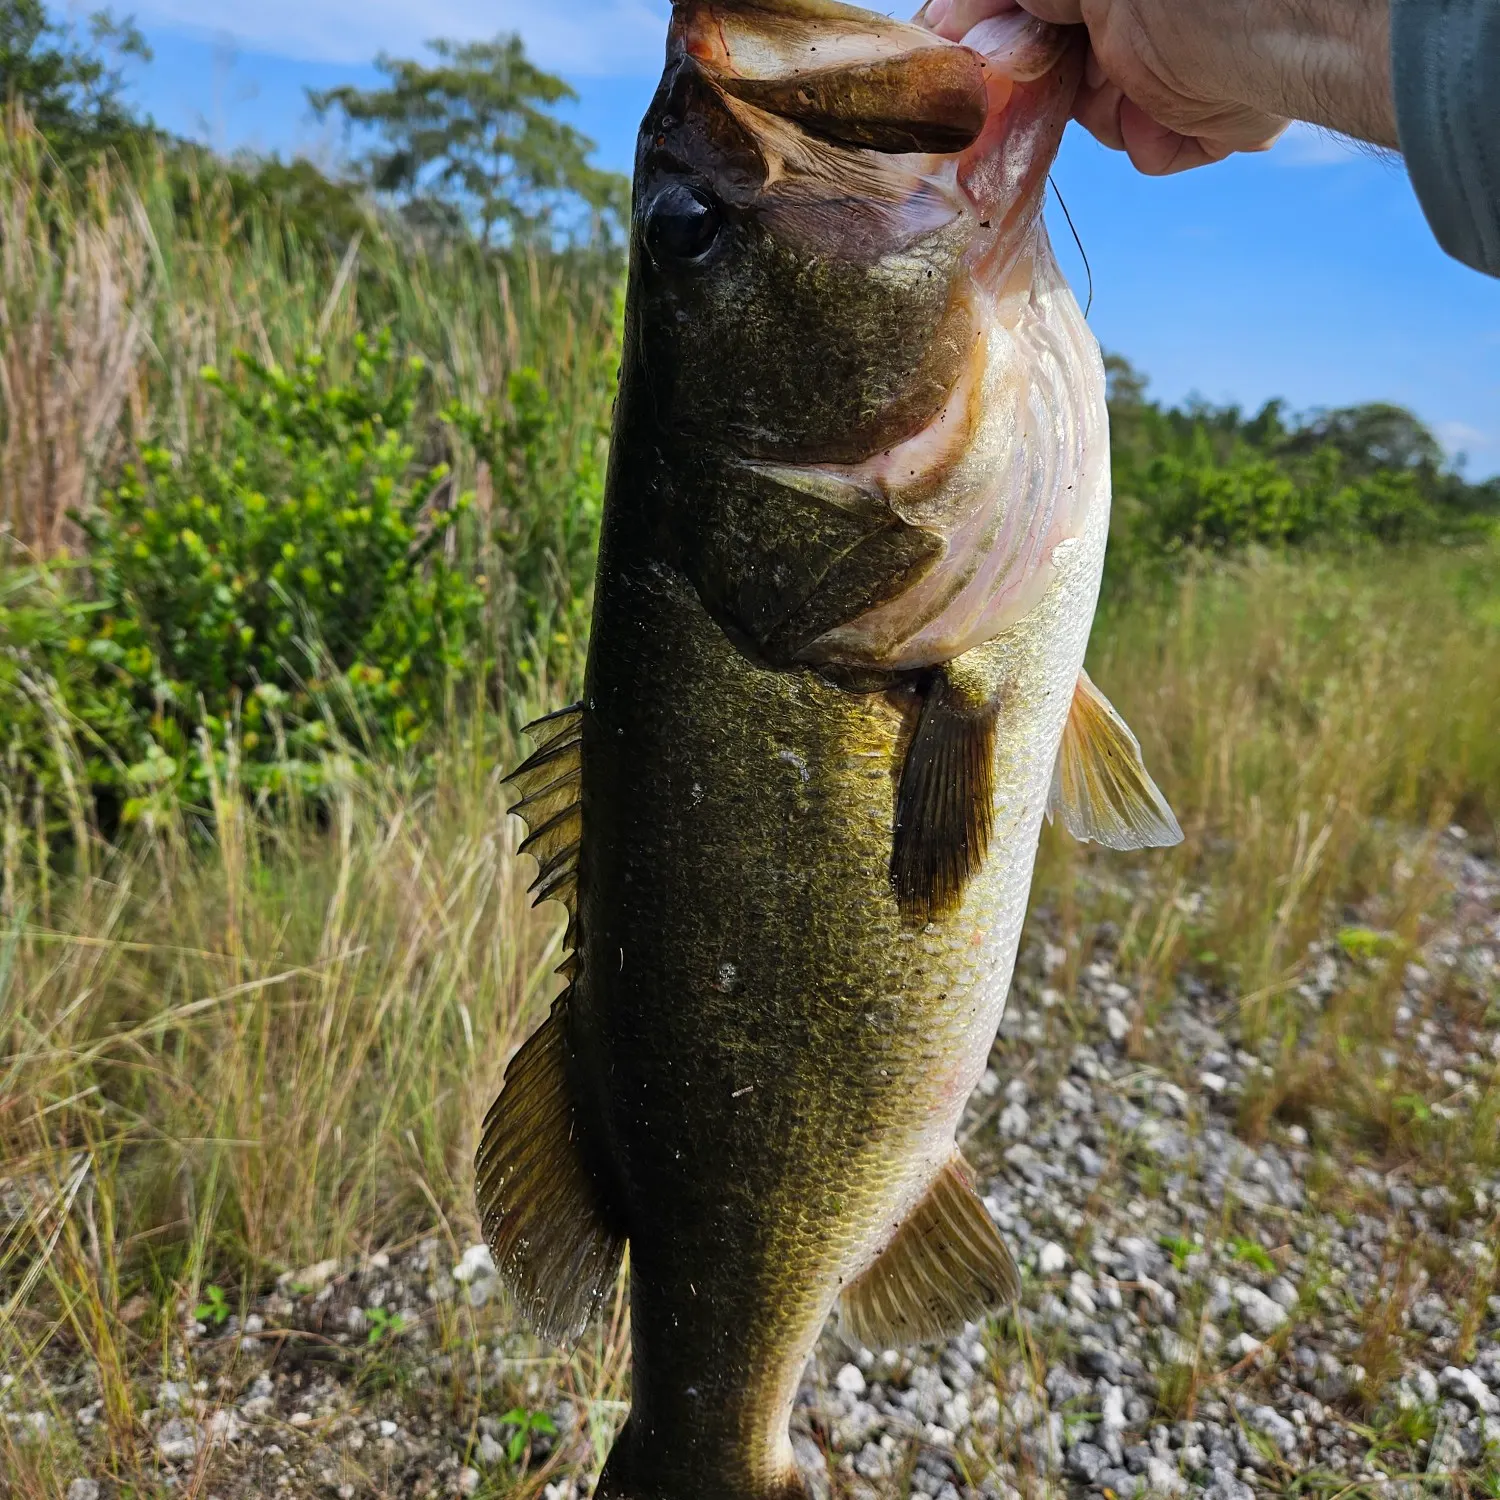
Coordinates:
1446 64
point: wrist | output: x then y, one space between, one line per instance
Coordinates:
1327 62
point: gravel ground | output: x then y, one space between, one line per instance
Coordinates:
1202 1316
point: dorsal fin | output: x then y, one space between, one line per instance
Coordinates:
946 1266
541 1198
550 784
1101 787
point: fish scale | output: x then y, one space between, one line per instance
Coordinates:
797 851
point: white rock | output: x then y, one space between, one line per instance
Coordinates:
1051 1259
1215 1083
312 1278
177 1440
1117 1024
301 1419
1163 1479
84 1489
1014 1122
387 1429
850 1381
1112 1409
1242 1346
1468 1385
223 1427
1283 1293
1258 1310
477 1264
468 1481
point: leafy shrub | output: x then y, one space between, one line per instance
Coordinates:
297 580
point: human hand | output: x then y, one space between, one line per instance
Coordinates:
1180 83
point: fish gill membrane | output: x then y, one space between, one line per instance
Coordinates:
851 553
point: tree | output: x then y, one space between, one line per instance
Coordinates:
473 141
70 87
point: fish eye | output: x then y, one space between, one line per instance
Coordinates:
683 225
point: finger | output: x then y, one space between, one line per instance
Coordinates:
1098 111
1156 150
955 19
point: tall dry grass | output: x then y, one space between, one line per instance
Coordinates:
116 291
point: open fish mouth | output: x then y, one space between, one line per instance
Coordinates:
987 112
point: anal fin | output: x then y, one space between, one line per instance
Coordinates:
945 807
1101 787
946 1266
540 1199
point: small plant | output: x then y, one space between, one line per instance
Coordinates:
1251 1254
1364 943
1178 1248
214 1309
528 1425
382 1324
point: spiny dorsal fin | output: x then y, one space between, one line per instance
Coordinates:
1101 786
947 1266
540 1202
550 784
945 808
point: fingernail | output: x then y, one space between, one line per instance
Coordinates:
936 13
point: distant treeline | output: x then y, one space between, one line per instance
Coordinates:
1203 478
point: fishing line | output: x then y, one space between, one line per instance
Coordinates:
1062 203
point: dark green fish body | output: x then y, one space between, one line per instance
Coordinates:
795 816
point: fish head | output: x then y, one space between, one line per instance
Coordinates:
830 207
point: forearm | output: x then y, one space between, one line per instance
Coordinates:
1324 61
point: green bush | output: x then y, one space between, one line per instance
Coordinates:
1209 479
300 580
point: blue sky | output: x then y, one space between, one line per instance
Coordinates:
1308 273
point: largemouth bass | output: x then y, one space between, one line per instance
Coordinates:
852 548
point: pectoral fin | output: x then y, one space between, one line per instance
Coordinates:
945 808
1101 787
947 1266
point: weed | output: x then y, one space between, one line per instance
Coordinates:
382 1324
214 1309
1251 1254
528 1425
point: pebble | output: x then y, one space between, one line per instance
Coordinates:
1051 1259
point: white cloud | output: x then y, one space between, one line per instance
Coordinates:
577 37
1459 437
1312 146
